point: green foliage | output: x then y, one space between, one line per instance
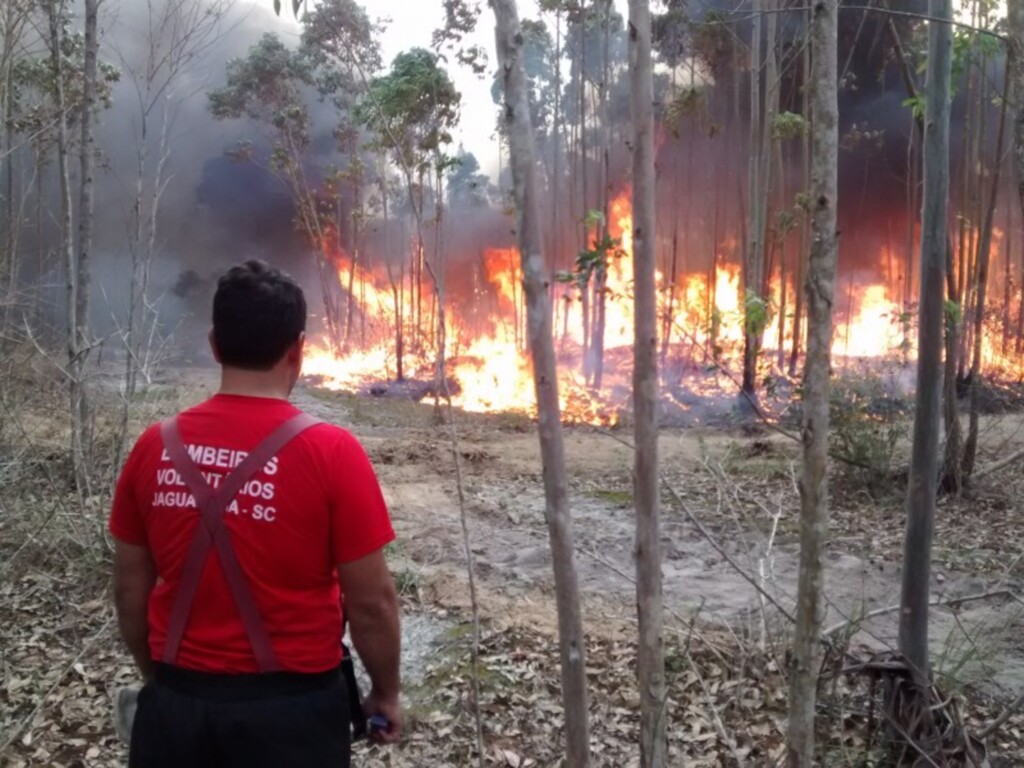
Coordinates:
460 21
953 315
467 186
670 32
412 110
688 102
788 125
595 259
757 313
267 85
33 90
785 222
916 104
867 424
802 202
340 47
539 66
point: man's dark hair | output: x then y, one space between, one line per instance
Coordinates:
258 312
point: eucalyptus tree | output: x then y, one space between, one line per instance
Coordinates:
820 295
273 85
649 598
467 186
572 646
75 97
175 39
270 86
411 111
15 18
1015 34
921 490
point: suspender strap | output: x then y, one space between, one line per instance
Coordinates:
212 503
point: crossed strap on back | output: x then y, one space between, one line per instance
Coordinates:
212 503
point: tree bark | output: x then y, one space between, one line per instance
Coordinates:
805 230
921 490
80 412
67 245
983 259
755 246
1015 67
516 114
650 650
820 290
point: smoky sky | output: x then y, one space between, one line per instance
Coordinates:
216 211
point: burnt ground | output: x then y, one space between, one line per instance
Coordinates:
726 643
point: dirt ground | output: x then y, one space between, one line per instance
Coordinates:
726 642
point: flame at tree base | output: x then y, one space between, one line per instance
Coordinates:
703 313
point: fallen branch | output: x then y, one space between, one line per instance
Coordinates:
1005 715
938 602
980 473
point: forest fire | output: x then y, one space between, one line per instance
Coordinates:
486 344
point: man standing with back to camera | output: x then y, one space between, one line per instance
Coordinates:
243 529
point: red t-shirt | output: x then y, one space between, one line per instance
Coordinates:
313 506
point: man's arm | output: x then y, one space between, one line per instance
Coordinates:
371 608
134 578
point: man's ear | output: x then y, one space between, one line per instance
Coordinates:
213 347
295 350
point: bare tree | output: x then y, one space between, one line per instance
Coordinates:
14 16
1015 65
820 290
921 490
650 652
56 21
176 36
509 38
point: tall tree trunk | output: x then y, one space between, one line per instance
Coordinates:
983 259
80 417
55 11
754 246
1015 65
516 114
650 651
604 8
921 488
805 229
820 291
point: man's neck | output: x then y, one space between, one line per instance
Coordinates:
271 384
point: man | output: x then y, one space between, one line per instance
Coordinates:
230 574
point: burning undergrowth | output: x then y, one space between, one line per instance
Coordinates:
391 347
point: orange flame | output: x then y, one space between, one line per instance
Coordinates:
486 332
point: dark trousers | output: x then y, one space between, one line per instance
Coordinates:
191 719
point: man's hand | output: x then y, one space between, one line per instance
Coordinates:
134 578
371 607
391 710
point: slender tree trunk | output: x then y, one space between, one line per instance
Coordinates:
650 651
67 245
516 114
984 258
805 230
754 247
820 292
1015 29
1007 279
921 490
81 418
